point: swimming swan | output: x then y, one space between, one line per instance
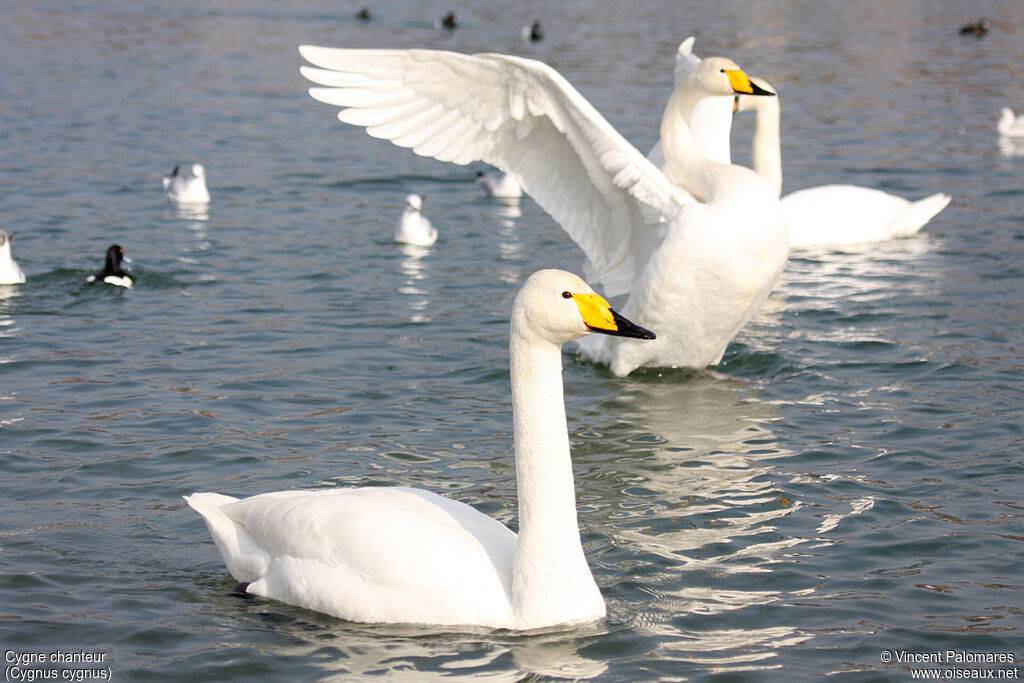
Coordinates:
413 227
10 273
187 185
405 555
1009 125
695 271
831 214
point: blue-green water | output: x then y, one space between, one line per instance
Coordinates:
846 484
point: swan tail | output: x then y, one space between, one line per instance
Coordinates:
244 560
919 213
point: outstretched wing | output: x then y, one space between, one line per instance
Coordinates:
521 116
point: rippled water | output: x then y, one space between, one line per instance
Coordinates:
847 483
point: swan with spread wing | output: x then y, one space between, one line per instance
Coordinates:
696 244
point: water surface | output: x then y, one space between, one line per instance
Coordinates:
846 483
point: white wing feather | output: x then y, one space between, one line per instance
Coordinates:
522 117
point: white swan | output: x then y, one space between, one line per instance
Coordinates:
1009 125
831 214
10 273
695 271
498 186
187 185
711 120
413 227
404 555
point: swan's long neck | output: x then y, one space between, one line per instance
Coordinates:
685 165
551 580
766 156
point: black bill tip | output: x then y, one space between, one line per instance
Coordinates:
625 328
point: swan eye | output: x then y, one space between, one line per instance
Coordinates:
567 295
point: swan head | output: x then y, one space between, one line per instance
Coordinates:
198 171
560 306
751 103
722 76
413 202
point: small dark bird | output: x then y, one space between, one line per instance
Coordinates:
364 14
534 33
447 22
112 273
978 28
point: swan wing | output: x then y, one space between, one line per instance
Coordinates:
379 554
849 214
518 115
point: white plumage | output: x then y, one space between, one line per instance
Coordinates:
10 272
498 185
831 214
396 554
413 227
187 185
711 120
695 271
1009 125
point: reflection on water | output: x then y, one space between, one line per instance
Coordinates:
714 454
406 652
8 295
190 212
825 283
1011 147
700 504
412 269
196 217
510 243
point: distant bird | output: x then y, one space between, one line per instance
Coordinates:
498 185
414 228
187 185
10 273
112 273
364 14
447 22
533 33
1009 125
978 28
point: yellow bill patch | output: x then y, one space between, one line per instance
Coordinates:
739 81
596 312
